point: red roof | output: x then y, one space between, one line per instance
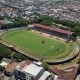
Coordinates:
11 67
67 74
26 63
53 29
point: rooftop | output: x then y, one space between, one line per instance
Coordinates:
5 62
29 67
25 64
53 29
67 74
33 69
45 75
11 67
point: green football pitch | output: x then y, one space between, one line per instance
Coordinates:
36 44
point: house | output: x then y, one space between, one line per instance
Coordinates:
10 68
5 62
28 70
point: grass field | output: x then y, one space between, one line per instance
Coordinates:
32 42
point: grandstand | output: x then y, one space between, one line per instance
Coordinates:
53 31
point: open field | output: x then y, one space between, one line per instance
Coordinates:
32 42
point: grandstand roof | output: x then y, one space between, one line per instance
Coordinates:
53 29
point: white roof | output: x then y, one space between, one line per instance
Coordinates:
30 26
55 77
32 69
38 63
45 75
4 64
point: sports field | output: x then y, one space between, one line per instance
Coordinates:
32 42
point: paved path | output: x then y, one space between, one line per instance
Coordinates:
78 78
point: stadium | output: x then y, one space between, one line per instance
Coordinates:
34 44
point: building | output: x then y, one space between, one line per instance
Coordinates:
53 31
10 68
7 67
5 62
1 22
27 70
65 74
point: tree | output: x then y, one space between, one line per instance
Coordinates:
1 68
16 23
4 51
44 19
77 29
45 65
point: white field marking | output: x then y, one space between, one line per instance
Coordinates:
52 48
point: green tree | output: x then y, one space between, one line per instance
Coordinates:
77 29
45 20
1 68
45 65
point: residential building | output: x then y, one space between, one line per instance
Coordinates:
27 70
10 68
